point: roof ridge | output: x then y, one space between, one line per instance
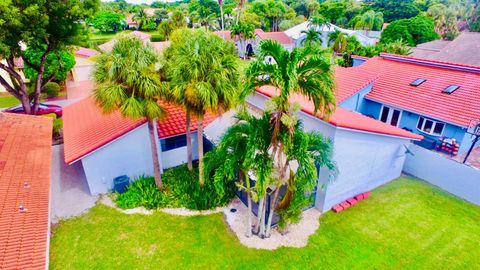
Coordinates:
432 63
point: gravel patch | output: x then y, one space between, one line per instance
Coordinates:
187 212
296 236
106 200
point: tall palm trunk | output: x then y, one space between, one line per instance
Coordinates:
155 157
200 151
222 20
188 135
270 213
259 215
249 204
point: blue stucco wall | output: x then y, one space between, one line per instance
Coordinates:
452 176
358 61
409 120
357 101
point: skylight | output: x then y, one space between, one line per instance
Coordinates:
418 81
450 89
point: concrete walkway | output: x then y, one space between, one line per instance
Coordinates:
69 190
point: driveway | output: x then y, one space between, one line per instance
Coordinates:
70 195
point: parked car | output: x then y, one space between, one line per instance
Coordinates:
42 109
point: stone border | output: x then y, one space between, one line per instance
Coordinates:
296 236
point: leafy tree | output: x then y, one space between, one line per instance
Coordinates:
54 24
166 27
307 71
205 12
272 13
333 11
475 18
128 81
106 21
57 65
203 72
244 32
369 20
395 10
141 18
160 15
396 47
412 31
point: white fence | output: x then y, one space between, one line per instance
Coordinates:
452 176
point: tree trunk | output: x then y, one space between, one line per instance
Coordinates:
19 88
261 233
221 14
249 204
270 214
259 215
39 80
188 135
155 157
200 151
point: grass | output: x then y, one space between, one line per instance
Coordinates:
406 224
7 100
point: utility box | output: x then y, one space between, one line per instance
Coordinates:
120 183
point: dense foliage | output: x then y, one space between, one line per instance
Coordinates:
108 21
51 89
57 65
182 189
413 31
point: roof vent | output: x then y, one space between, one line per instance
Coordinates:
450 89
418 81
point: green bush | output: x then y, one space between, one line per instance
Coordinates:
51 89
182 189
57 124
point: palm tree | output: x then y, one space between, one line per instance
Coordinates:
311 36
127 80
368 21
244 32
220 4
141 18
202 69
340 43
307 71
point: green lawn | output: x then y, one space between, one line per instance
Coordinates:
406 224
8 101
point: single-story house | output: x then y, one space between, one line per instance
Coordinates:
297 35
25 168
109 145
432 98
83 64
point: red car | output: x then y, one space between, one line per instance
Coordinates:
42 109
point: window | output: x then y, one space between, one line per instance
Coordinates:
450 89
430 126
418 81
173 142
390 116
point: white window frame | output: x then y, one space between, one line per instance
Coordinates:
425 119
390 115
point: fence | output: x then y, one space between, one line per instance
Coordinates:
452 176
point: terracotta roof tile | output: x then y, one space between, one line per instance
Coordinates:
393 87
281 37
25 158
86 128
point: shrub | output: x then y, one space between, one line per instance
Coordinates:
51 89
57 124
182 189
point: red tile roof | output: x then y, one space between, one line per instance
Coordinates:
393 87
86 128
281 37
344 118
25 164
349 81
225 34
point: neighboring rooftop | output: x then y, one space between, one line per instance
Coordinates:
225 34
344 118
106 47
25 164
87 128
281 37
85 52
464 49
396 73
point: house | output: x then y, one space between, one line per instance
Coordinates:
432 98
463 49
251 46
131 24
83 64
297 35
367 152
25 164
109 145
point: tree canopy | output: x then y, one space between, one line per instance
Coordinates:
413 31
108 21
57 65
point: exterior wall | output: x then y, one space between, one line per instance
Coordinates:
128 155
409 120
358 61
178 156
454 177
357 101
364 162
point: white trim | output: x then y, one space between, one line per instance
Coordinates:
390 115
434 124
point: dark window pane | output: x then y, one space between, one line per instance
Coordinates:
384 116
438 128
173 142
395 118
428 126
420 123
